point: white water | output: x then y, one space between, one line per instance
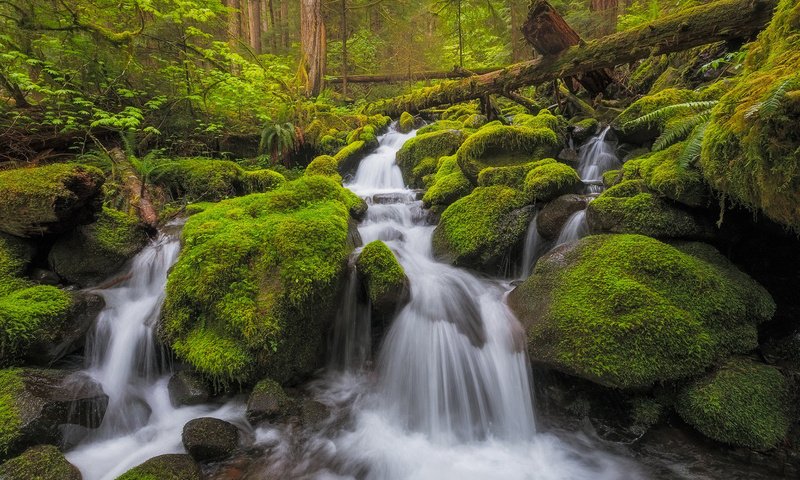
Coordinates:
122 355
596 157
533 248
574 228
451 393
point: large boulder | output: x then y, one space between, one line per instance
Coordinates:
42 462
426 149
165 467
631 208
257 279
269 402
554 214
743 403
628 311
93 252
643 132
383 277
483 229
548 181
210 438
664 175
33 403
187 388
50 199
446 185
195 179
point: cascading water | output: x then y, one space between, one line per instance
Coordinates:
596 157
574 228
451 394
532 249
122 354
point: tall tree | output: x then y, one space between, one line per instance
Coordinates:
254 10
607 15
313 45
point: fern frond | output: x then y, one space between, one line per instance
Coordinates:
772 103
694 144
677 131
665 113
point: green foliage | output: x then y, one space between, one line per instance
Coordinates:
256 278
664 174
324 165
546 182
41 462
743 403
280 140
628 311
11 387
383 274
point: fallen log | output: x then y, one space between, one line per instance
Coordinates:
413 76
134 189
701 25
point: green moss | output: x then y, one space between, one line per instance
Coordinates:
257 279
11 387
548 181
429 145
324 165
447 185
263 180
744 403
42 462
630 208
628 311
475 121
663 174
612 177
751 147
651 103
543 119
165 467
197 179
425 168
366 134
406 123
441 125
500 145
483 228
35 199
513 176
461 111
382 273
348 157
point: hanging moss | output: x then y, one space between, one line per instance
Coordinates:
256 281
553 179
628 311
743 403
382 274
500 145
430 145
751 147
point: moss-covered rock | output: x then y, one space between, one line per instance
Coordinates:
382 275
501 145
324 165
475 121
347 158
663 174
751 147
406 123
461 111
269 402
207 438
447 185
546 182
743 403
630 208
584 129
256 281
628 311
440 125
543 119
511 176
42 462
643 133
483 229
205 179
165 467
432 145
96 251
50 199
552 217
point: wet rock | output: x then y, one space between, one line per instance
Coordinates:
38 463
37 401
187 388
313 413
383 277
583 130
44 277
209 438
268 402
552 217
568 155
172 467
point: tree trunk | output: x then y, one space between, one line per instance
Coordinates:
519 50
234 26
413 76
313 46
549 34
344 48
254 10
607 11
714 22
284 23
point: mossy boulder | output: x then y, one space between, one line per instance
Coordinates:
483 229
208 438
552 217
42 462
51 199
546 182
502 145
647 132
173 466
751 146
582 130
348 158
743 403
34 402
512 176
256 281
441 125
663 175
406 123
631 208
447 185
461 111
269 402
324 165
628 311
382 275
205 179
93 252
475 121
432 145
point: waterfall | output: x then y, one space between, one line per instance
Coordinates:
123 355
596 157
574 228
532 249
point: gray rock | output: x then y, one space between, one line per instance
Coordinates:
268 402
71 334
187 388
209 438
552 217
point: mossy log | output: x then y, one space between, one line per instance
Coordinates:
456 72
701 25
135 190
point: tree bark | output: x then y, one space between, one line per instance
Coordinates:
607 10
313 46
284 23
254 11
344 47
714 22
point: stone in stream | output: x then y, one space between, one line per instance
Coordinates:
187 388
268 402
209 438
171 466
40 463
554 215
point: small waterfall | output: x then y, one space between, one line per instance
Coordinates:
532 249
350 343
574 228
596 157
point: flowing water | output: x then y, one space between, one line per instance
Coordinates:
123 355
595 157
574 228
533 248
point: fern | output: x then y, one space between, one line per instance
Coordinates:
279 139
678 131
691 150
772 103
665 113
